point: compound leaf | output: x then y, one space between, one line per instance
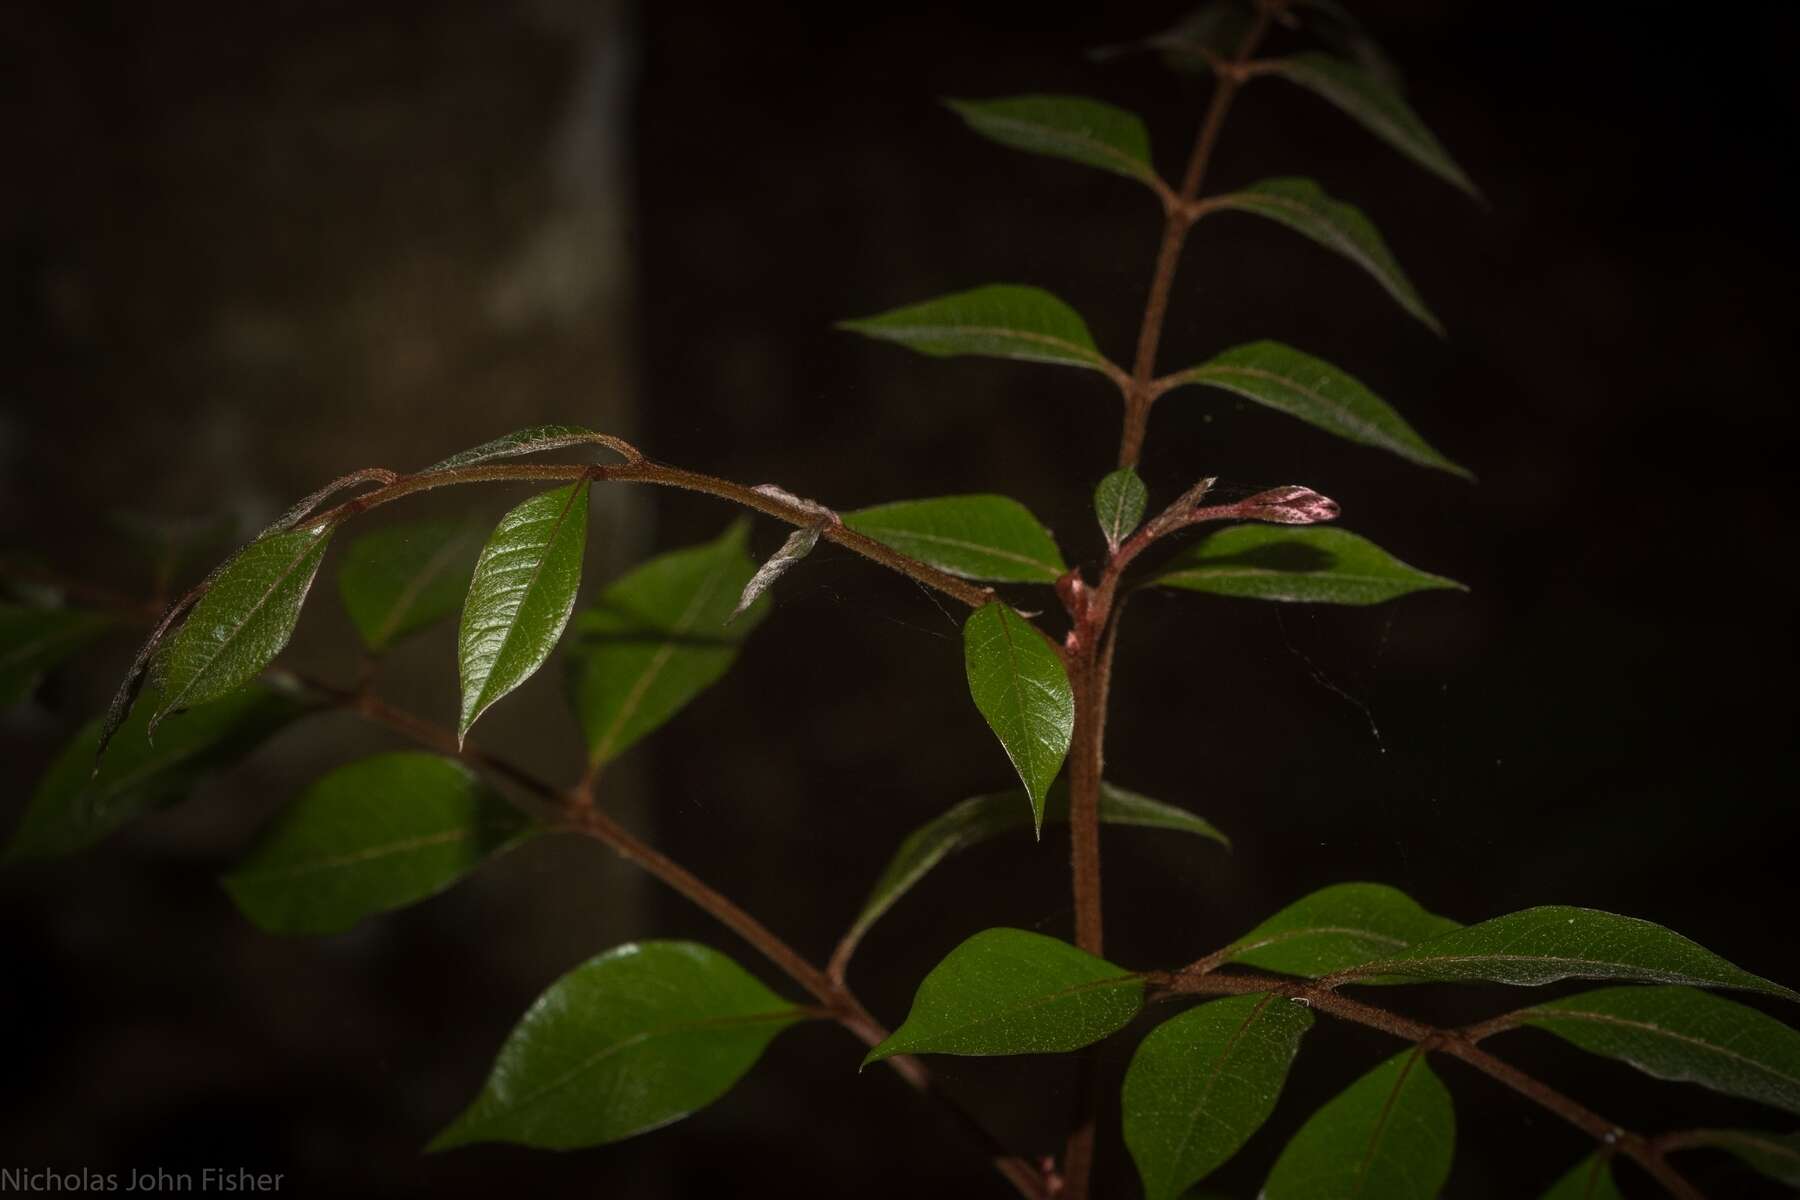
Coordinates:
977 537
1023 692
1309 565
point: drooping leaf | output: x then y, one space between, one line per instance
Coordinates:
1201 1083
525 441
33 640
1589 1179
405 578
1000 320
1072 127
1775 1155
1119 502
1335 929
633 1039
656 639
1302 206
1391 1134
1543 945
1318 393
1007 991
798 545
1304 566
240 624
1368 99
982 537
980 818
1684 1034
521 596
371 836
1023 692
75 806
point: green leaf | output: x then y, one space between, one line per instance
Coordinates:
1282 378
1201 1083
1773 1154
1683 1034
998 321
1335 929
980 818
1303 207
371 836
1213 29
33 640
75 806
1543 945
634 1039
405 578
1308 565
1071 127
1391 1134
521 597
1022 690
1589 1179
525 441
656 639
1363 95
241 623
977 537
1119 502
1007 991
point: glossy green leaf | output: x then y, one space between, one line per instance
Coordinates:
1000 320
521 596
405 578
1589 1179
1022 690
656 639
1372 102
1543 945
1318 393
977 537
1773 1154
1302 206
980 818
1201 1083
1007 991
1302 565
240 624
1335 929
526 441
640 1036
33 640
1071 127
371 836
1119 502
75 806
1683 1034
1390 1135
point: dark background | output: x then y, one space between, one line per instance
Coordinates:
248 248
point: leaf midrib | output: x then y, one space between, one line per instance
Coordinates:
1346 416
1031 1005
960 543
1138 167
172 703
354 857
409 595
525 593
1543 1016
1088 355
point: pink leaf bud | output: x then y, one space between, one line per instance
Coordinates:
1291 505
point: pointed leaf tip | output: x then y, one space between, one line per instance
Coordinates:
1022 690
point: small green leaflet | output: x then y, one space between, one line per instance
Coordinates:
1007 991
1589 1179
371 836
1022 690
1071 127
242 622
405 578
634 1039
1001 320
980 818
521 597
1201 1083
1776 1155
1302 206
656 639
1543 945
33 640
1119 502
1282 378
1335 929
76 806
1391 1134
1308 565
981 537
1683 1034
1368 99
526 441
